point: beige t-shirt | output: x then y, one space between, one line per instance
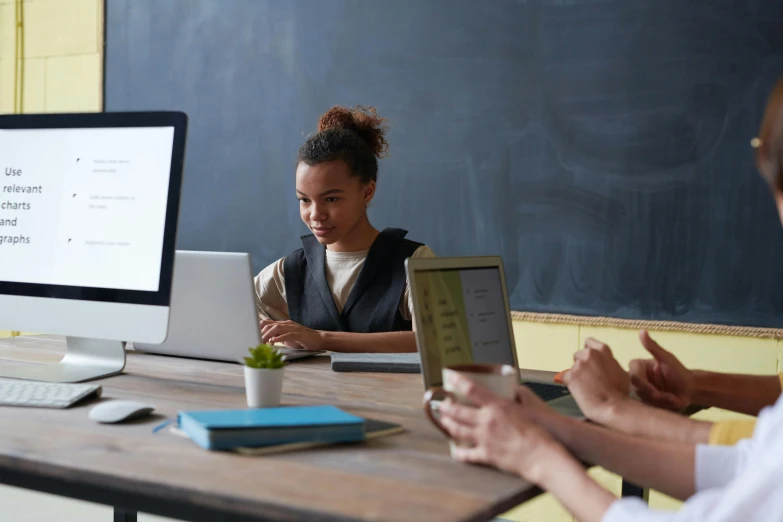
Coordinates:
342 269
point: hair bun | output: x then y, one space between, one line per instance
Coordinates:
364 121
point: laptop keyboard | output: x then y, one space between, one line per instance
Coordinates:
546 392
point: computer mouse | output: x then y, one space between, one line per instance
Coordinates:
119 411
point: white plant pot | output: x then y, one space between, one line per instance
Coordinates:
263 386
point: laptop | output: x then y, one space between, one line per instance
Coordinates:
214 314
463 316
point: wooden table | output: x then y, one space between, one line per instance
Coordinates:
402 477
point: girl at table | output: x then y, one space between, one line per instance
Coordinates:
345 289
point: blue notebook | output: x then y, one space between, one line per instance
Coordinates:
228 429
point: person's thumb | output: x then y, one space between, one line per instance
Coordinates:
653 347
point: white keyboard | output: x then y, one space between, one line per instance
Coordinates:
44 394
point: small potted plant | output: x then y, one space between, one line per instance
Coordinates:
264 376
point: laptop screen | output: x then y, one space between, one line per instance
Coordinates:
463 318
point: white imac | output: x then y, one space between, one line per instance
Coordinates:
89 205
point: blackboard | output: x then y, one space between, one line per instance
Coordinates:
600 146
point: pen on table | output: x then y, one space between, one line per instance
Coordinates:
161 425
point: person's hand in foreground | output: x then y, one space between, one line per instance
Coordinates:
597 381
502 433
662 381
601 388
499 431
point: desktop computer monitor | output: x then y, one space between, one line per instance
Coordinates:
89 205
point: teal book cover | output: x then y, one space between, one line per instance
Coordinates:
227 429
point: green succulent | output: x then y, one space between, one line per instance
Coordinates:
264 356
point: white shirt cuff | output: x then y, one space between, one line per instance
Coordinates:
715 466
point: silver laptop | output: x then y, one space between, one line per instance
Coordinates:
214 314
463 315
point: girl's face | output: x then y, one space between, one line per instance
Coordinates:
768 145
332 202
779 203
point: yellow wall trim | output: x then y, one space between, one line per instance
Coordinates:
632 324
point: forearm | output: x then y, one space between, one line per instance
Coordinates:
741 393
637 419
385 342
666 466
570 484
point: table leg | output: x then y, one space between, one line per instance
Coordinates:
632 490
123 515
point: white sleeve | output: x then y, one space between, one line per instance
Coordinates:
742 482
270 292
753 494
716 466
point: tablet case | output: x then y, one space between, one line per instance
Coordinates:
376 362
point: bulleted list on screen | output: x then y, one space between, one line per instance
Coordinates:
88 211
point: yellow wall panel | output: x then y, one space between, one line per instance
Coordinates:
664 502
73 83
708 352
780 356
60 28
722 353
543 508
34 85
545 346
7 35
717 414
6 85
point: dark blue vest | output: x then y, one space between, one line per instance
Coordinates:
374 301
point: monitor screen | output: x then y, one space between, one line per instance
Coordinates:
463 318
84 207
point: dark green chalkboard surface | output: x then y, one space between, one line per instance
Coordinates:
600 146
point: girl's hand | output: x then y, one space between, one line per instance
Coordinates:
291 334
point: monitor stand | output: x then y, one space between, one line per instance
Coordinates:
85 360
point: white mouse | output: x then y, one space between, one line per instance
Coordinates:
118 411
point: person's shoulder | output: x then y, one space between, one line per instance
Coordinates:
298 253
273 270
408 242
423 251
409 247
